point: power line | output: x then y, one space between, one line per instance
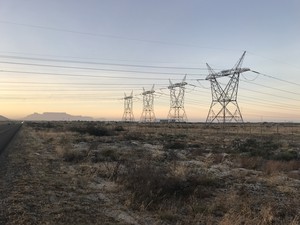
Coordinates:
277 96
59 90
80 75
265 103
92 58
57 83
274 60
190 101
116 84
275 78
277 89
84 76
102 63
97 69
272 104
113 36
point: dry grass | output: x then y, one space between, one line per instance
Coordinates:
273 166
122 173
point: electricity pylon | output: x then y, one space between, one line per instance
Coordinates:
148 100
177 112
224 107
128 106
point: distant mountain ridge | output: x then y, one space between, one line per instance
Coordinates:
56 116
3 118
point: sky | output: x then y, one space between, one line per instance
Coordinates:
81 56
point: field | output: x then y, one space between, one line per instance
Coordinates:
130 173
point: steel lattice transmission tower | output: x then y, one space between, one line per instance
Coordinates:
148 100
224 107
128 106
177 112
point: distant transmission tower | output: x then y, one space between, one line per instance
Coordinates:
148 100
224 107
128 105
177 112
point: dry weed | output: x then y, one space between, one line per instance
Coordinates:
253 163
272 166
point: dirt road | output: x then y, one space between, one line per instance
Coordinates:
7 132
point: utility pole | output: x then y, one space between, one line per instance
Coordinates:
224 107
177 111
128 106
148 101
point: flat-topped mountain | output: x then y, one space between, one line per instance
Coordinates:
56 116
3 118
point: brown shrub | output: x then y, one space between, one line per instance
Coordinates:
272 166
218 158
153 184
253 163
73 155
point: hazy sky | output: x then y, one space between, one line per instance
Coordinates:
81 56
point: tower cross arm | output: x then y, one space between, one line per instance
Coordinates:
148 92
128 97
181 84
225 73
232 71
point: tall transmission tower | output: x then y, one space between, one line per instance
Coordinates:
128 106
224 107
177 112
148 100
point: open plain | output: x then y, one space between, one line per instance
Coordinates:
131 173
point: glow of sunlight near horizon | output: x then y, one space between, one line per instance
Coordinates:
92 49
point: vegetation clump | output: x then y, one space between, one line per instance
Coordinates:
152 184
257 148
105 155
287 155
73 155
93 130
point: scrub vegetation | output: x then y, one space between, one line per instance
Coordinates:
131 173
